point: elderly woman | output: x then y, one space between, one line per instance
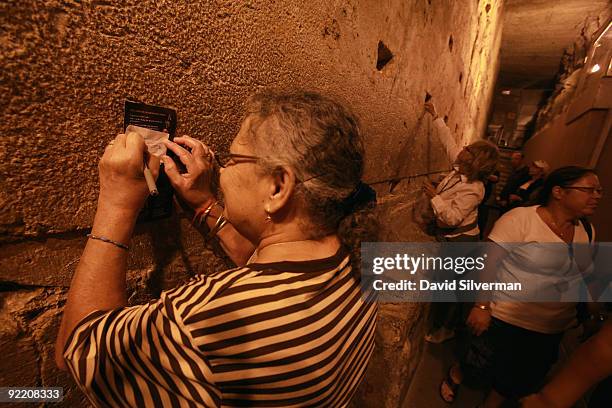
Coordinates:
521 338
290 327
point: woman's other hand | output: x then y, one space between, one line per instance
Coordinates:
195 186
122 183
429 189
479 320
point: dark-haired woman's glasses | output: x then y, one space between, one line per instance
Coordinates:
226 159
589 190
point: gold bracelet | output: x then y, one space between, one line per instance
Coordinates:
221 221
200 214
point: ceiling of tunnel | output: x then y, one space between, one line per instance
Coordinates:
535 34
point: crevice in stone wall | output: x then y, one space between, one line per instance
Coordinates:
450 43
460 77
42 237
396 179
8 286
384 56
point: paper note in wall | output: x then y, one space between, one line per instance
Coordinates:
153 139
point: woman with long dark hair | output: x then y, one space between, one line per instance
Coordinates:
519 339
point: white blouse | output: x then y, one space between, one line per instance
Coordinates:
457 199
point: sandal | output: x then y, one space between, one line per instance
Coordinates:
451 385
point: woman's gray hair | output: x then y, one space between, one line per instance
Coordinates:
320 140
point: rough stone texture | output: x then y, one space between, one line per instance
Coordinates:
401 328
51 261
575 123
68 65
571 73
538 33
30 320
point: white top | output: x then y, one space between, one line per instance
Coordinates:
457 199
546 272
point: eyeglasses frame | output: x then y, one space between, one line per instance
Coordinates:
585 189
219 158
247 158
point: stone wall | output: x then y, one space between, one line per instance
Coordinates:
68 65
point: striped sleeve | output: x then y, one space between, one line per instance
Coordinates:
140 356
285 338
286 334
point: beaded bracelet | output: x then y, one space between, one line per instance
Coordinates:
108 241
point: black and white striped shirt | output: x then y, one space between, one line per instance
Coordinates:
264 335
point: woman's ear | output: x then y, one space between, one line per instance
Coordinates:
281 190
557 192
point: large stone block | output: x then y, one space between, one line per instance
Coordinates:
399 345
19 365
68 67
163 253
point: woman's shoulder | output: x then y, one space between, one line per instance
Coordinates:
513 225
521 213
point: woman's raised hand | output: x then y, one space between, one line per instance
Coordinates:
122 183
431 109
195 186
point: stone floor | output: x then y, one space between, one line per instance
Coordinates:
423 392
436 359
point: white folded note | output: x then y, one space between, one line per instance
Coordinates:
153 139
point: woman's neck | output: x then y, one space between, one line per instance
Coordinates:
295 247
560 215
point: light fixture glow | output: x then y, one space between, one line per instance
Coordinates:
506 92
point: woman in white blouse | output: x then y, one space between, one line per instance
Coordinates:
455 203
456 198
518 339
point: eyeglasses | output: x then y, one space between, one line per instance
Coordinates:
589 190
224 159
